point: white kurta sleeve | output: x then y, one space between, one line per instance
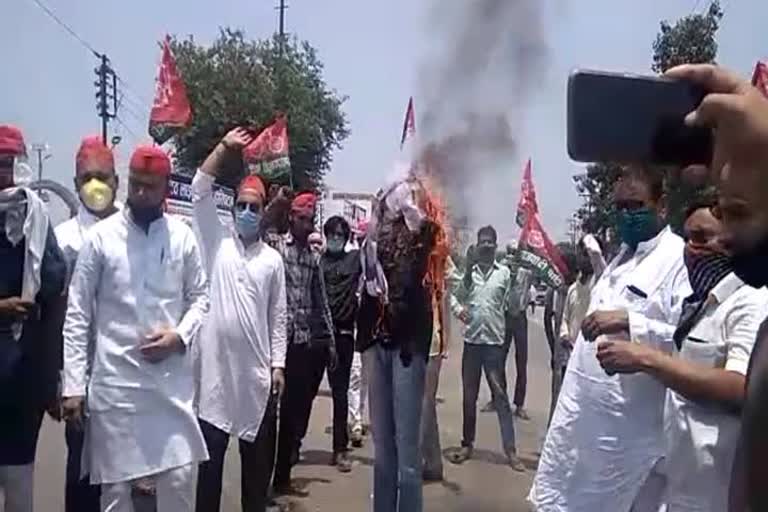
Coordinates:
565 324
659 332
195 292
278 315
208 226
86 279
741 326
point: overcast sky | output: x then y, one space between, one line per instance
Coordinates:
371 50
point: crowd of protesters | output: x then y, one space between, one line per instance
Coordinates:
157 341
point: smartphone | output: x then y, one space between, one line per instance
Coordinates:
624 118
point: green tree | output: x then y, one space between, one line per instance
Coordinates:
237 81
691 39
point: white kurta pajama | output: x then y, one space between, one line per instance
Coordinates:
127 283
606 434
244 336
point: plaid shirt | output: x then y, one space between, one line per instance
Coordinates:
309 316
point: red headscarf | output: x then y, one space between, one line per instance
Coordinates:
150 159
11 141
253 183
304 204
93 150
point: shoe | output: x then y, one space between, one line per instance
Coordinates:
461 456
356 439
431 476
515 463
522 414
489 407
342 462
290 489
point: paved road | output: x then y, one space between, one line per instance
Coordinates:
484 484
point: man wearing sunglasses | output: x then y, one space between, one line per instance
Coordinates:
242 345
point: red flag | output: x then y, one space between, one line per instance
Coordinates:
527 206
268 154
171 111
760 77
534 237
409 125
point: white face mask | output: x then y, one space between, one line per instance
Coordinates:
23 175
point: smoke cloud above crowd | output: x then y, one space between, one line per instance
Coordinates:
485 60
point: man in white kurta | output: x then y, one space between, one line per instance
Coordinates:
606 434
96 183
242 344
140 285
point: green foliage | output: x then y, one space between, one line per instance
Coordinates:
238 81
596 186
689 40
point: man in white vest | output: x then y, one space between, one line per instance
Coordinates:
140 284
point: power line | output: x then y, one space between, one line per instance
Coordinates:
143 101
66 27
130 131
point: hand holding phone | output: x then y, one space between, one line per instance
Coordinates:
624 118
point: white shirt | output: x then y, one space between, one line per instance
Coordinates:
702 437
574 312
606 433
70 235
244 336
126 283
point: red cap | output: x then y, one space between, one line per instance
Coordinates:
253 183
11 141
92 149
150 159
304 203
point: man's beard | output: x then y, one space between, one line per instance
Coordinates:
145 214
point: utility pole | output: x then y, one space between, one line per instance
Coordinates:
42 156
282 7
106 90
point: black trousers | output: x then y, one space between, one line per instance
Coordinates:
81 496
304 368
517 330
19 429
256 463
339 381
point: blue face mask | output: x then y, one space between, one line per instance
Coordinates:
248 224
335 245
638 225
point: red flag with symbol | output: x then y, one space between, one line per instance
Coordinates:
409 125
171 111
527 206
268 154
536 239
760 77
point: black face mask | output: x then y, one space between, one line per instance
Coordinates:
705 270
750 266
145 214
485 254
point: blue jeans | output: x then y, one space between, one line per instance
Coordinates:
395 396
491 360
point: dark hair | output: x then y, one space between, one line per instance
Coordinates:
334 223
706 199
487 230
652 177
